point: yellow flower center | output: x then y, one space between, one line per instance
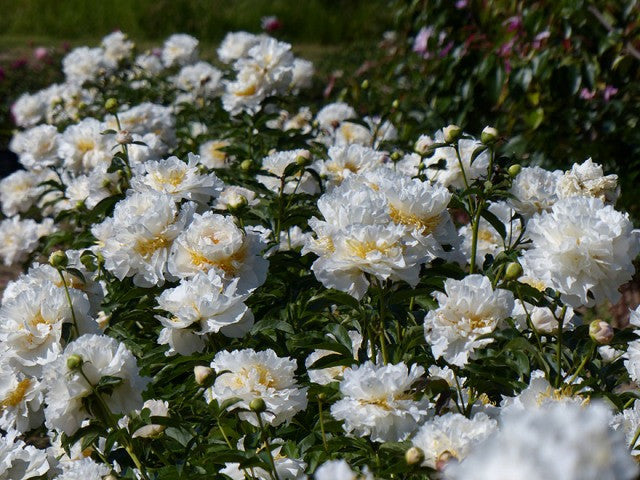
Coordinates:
147 247
424 225
15 397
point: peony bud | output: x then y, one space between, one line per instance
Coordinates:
123 137
395 156
452 133
111 104
365 84
304 158
489 135
514 170
414 456
601 332
74 361
246 165
257 405
513 271
395 103
58 259
201 373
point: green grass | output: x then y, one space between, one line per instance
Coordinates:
311 21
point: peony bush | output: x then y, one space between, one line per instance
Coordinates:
224 279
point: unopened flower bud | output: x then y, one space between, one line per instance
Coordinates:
74 361
513 271
414 456
257 405
395 103
111 104
395 156
489 135
452 133
304 158
58 259
365 84
201 373
601 332
123 137
110 477
246 165
236 203
514 170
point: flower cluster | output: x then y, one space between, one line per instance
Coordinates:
226 279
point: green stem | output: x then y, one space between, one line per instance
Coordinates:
266 442
128 446
68 295
634 440
321 420
586 358
559 346
474 236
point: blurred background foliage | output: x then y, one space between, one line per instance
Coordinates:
558 78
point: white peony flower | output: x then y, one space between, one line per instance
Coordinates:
205 303
286 468
21 399
136 241
247 375
276 164
83 469
628 422
540 393
19 461
558 441
84 64
18 238
233 196
534 190
236 45
340 470
181 180
302 75
583 249
101 356
19 191
588 179
346 161
469 309
117 47
37 147
200 80
180 49
214 242
333 114
376 402
83 147
451 436
212 155
28 110
452 174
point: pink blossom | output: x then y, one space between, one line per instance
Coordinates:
271 23
540 38
513 23
420 43
587 94
609 91
460 4
41 53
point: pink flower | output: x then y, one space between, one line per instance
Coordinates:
271 23
540 38
41 53
513 23
587 94
609 91
19 63
460 4
420 43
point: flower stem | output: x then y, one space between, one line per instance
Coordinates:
266 442
68 295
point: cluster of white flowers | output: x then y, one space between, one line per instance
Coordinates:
449 268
